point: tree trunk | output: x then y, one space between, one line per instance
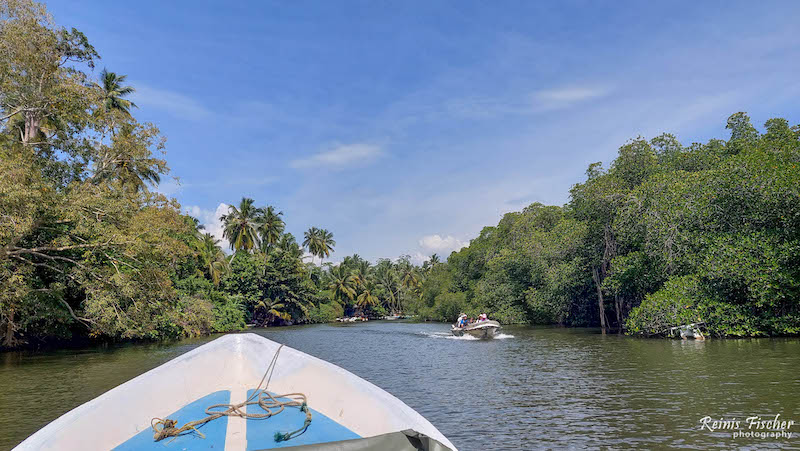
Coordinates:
618 308
31 127
600 301
8 339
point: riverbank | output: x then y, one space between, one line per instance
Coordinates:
538 387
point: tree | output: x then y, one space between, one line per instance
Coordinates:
40 84
271 227
326 244
113 92
363 272
312 242
366 298
387 280
212 258
79 254
129 159
272 308
241 225
342 285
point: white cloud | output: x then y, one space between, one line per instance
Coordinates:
418 258
210 219
175 103
343 156
441 245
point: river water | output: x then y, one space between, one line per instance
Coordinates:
531 388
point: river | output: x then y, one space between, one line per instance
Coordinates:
531 388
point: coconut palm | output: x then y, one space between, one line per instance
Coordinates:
241 225
311 241
362 272
124 162
366 298
386 276
271 228
272 308
408 276
342 284
212 259
287 244
326 244
113 92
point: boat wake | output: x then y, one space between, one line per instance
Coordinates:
449 336
465 337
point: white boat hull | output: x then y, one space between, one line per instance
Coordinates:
233 363
482 330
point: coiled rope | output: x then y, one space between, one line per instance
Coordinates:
164 428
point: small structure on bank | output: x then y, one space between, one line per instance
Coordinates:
687 331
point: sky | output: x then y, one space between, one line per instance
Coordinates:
405 127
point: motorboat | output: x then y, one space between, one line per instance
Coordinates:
478 329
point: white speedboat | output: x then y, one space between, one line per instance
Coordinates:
480 329
301 401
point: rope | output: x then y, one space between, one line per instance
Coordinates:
164 428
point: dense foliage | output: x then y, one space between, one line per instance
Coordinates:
667 235
86 248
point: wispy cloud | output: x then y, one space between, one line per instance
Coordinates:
564 97
341 157
176 104
486 107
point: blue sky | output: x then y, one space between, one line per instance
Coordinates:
405 127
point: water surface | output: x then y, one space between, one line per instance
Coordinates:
533 388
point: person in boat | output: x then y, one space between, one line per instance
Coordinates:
483 317
462 320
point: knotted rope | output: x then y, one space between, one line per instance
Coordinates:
164 428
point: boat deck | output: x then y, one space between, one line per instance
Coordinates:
259 433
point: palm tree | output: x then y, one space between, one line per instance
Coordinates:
272 307
408 276
366 298
123 161
211 257
241 225
386 276
271 228
288 244
434 260
113 92
342 284
311 241
326 244
362 272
